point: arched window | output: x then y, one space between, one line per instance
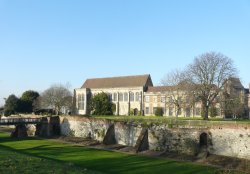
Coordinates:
137 96
115 97
120 96
110 96
81 99
125 96
132 97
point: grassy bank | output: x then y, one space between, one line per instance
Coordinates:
196 121
12 162
25 153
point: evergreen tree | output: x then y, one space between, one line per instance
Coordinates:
100 105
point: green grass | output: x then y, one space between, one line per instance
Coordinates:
180 121
12 162
42 152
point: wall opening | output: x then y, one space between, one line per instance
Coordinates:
136 111
203 140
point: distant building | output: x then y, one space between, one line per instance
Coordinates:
127 93
137 95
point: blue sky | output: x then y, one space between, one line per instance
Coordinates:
45 42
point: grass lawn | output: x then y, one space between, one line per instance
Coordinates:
12 162
172 120
24 155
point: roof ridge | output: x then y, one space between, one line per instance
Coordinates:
118 77
118 81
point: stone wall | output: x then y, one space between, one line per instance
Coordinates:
228 141
179 140
84 127
231 141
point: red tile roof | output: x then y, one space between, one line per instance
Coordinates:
114 82
159 88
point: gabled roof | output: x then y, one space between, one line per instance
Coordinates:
159 88
235 82
123 81
166 88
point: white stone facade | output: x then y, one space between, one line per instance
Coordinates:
135 95
125 99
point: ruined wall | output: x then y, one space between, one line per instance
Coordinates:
231 141
180 140
84 127
227 141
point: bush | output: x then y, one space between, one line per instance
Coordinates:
113 107
213 111
159 111
131 112
100 105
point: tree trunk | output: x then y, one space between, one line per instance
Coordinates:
206 113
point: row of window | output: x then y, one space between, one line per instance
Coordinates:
124 96
171 111
163 99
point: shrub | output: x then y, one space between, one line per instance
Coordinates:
132 112
159 111
100 105
113 107
213 111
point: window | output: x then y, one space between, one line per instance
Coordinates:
115 97
218 111
81 99
132 97
154 110
110 97
125 96
147 110
179 111
155 99
78 101
197 111
170 111
120 96
146 98
163 99
187 112
170 99
137 96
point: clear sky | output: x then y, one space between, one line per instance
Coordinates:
43 42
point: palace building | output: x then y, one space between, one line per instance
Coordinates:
136 95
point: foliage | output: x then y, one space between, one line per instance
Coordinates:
27 101
113 107
12 105
131 112
57 97
213 111
234 107
1 110
159 111
100 104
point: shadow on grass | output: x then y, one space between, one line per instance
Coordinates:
98 160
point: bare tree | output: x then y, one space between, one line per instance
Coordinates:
56 97
209 72
179 90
